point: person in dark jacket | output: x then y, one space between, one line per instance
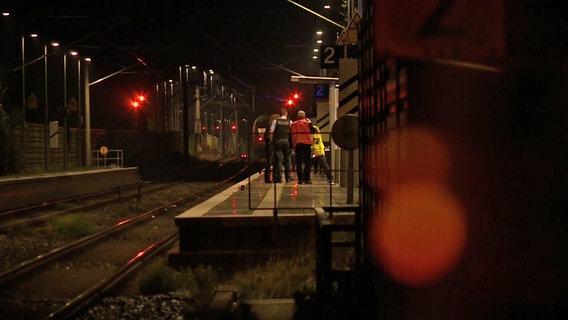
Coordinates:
269 150
280 137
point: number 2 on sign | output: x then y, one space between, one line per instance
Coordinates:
329 56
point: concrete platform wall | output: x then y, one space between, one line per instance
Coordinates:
27 191
237 241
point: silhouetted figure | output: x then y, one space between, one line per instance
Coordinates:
280 137
269 150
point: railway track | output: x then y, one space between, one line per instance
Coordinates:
39 213
60 283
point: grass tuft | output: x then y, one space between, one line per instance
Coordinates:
72 226
157 278
160 278
278 278
20 231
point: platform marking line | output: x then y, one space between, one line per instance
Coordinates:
206 206
268 201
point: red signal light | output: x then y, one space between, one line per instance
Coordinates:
138 101
217 127
296 96
233 127
290 102
203 128
260 138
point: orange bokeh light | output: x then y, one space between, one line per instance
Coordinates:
421 233
413 153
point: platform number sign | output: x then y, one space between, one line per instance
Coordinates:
322 91
330 55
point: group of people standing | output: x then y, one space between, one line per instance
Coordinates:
285 137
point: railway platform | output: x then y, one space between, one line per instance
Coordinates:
251 221
28 190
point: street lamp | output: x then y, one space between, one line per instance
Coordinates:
66 107
24 104
23 94
87 114
79 115
65 110
46 108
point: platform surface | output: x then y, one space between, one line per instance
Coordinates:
254 197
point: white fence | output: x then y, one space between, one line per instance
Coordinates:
113 158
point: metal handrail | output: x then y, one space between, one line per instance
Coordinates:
113 158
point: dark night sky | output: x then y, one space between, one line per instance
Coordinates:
242 41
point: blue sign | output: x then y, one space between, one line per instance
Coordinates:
322 91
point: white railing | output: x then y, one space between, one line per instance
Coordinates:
114 158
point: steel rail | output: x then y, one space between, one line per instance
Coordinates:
120 197
32 264
81 302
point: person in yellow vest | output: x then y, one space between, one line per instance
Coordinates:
301 131
318 150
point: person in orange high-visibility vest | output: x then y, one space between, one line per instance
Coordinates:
301 131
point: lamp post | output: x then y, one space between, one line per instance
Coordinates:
46 110
23 95
79 115
69 105
24 100
87 116
65 111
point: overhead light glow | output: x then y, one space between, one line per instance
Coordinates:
315 57
319 32
319 41
88 59
327 7
6 14
74 53
316 50
33 35
55 44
